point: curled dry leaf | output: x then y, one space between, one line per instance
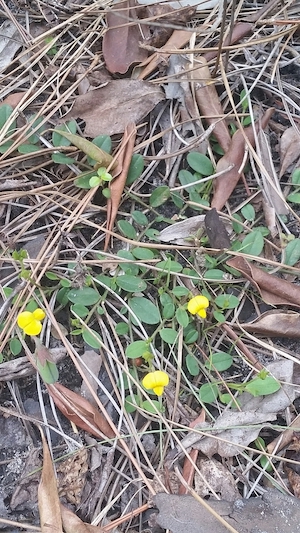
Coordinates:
121 41
275 323
49 505
188 470
273 290
73 524
233 162
103 158
209 102
184 231
117 185
78 410
109 109
289 148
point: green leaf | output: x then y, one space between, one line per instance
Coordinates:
131 403
136 349
168 335
62 159
169 266
294 198
219 317
34 123
219 361
131 283
262 387
83 180
15 346
214 273
200 163
208 392
292 252
142 253
190 334
159 196
180 291
140 218
58 139
145 310
296 177
127 229
186 178
227 301
80 310
92 338
147 406
121 328
182 317
28 148
84 296
5 111
136 168
248 212
238 228
192 364
5 146
168 311
253 243
48 372
103 158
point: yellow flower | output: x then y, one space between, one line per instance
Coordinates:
30 323
198 305
156 381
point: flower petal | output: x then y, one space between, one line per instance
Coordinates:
197 303
158 390
34 328
24 319
39 314
202 313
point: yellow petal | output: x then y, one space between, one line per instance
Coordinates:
161 378
158 390
202 313
34 328
197 303
24 319
148 381
39 314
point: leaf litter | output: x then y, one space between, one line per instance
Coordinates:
175 104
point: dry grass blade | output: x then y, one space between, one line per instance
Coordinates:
49 505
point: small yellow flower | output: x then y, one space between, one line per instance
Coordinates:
156 381
30 323
198 305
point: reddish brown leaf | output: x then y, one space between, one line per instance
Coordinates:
273 290
121 41
234 160
49 505
188 468
216 230
209 102
240 30
109 109
275 323
78 410
13 99
117 185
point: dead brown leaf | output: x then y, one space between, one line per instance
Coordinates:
240 30
234 160
93 361
121 41
218 477
188 470
13 99
216 230
71 474
117 185
49 505
209 102
109 109
275 323
78 410
73 524
273 290
289 148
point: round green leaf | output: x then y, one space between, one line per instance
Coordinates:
180 291
190 334
169 266
83 180
142 253
147 406
294 198
131 403
253 243
59 140
227 301
28 148
168 335
5 111
214 273
62 159
200 163
219 361
192 364
296 177
131 283
208 392
219 317
145 310
84 296
182 317
248 212
15 346
168 311
238 228
92 338
80 310
140 218
127 229
292 252
121 328
159 196
136 168
136 349
263 387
